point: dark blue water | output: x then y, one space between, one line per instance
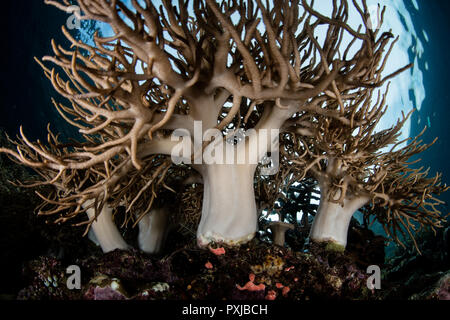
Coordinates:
434 18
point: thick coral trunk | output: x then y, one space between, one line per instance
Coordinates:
153 229
332 220
229 209
106 233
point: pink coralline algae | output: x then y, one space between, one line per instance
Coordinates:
104 293
218 251
289 269
250 286
285 291
271 295
208 265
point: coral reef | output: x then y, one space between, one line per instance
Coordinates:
192 274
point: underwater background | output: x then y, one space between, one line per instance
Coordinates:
27 26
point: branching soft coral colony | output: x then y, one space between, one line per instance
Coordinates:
231 66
